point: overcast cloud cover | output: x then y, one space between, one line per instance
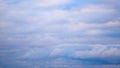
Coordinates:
59 34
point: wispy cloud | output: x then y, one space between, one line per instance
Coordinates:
60 30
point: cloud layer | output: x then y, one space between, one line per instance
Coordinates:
63 32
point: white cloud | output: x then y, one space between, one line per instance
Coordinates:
111 51
56 52
97 9
47 3
101 51
44 3
95 51
94 32
112 23
45 27
42 29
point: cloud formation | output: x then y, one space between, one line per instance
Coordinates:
62 31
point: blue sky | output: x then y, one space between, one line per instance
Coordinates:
59 34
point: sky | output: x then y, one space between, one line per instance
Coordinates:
59 34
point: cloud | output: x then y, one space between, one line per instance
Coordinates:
97 9
43 30
113 23
2 5
40 3
57 52
47 3
98 51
